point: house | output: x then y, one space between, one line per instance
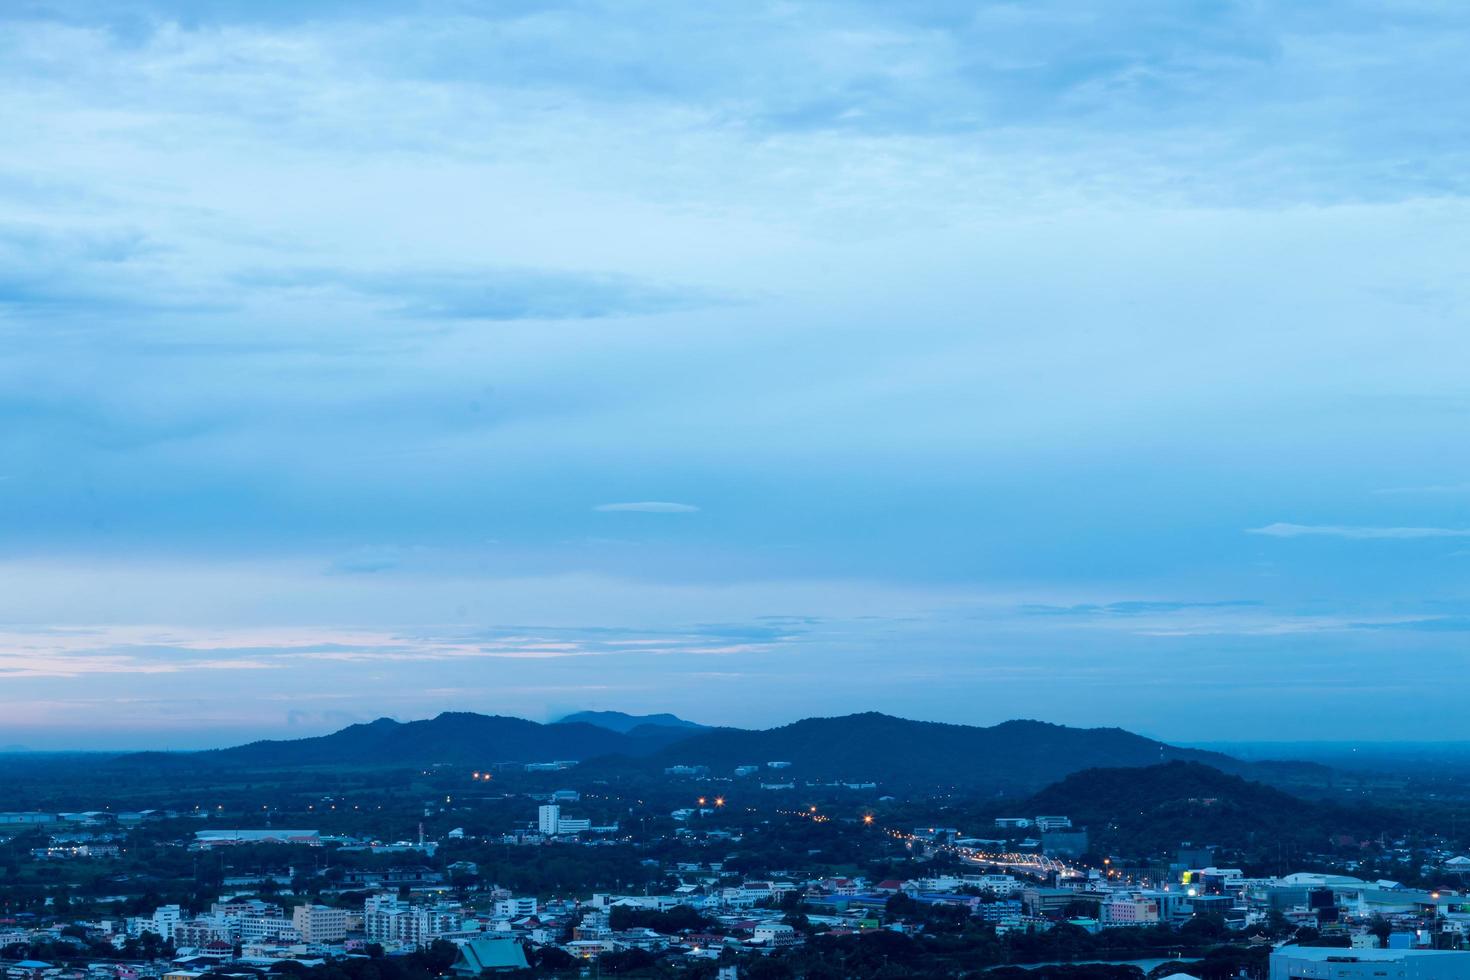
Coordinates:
480 956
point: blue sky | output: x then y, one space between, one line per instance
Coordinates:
1103 364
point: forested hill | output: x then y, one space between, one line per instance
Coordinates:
1142 810
1011 756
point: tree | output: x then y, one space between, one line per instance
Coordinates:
899 906
625 961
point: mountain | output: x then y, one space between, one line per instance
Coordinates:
1156 808
618 721
1014 756
453 737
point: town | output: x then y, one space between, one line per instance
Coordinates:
693 872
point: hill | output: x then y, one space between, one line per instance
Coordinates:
452 737
1012 756
1153 809
618 721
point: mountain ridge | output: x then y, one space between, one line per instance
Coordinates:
624 723
1012 755
1015 756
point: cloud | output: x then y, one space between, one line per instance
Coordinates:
1433 489
647 507
1139 607
1432 624
54 272
491 293
1283 530
367 560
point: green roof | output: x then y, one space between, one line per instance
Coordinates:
479 955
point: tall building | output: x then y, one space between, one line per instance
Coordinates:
388 921
165 919
320 923
549 819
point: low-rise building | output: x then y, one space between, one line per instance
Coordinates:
1324 963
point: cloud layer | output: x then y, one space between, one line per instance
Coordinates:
959 342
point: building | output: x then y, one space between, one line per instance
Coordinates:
26 819
480 956
224 838
266 926
1045 824
1323 963
390 922
515 908
1128 910
166 919
202 931
1012 823
569 825
549 819
775 934
320 923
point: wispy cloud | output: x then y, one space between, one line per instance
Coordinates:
1358 532
1137 607
1431 490
490 293
1432 624
367 560
647 507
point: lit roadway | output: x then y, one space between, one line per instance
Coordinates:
1037 865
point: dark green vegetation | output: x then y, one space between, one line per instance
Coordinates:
872 746
619 721
948 947
1012 757
453 737
1135 810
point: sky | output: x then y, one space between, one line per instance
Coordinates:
1097 363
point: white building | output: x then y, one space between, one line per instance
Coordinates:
515 908
390 922
775 934
549 819
165 920
1046 824
202 931
320 923
258 926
